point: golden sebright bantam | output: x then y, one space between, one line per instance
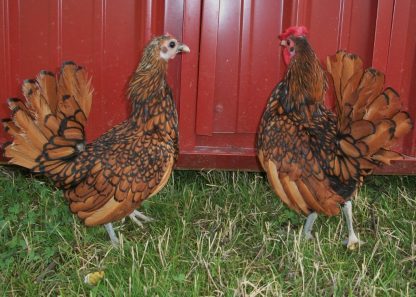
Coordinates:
315 159
106 180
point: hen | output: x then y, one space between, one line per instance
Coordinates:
314 159
105 180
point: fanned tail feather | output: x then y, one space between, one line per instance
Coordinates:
370 120
48 129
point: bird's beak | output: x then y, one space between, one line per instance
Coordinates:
183 48
283 42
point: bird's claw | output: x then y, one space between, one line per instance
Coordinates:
138 218
352 243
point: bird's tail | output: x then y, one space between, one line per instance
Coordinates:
48 129
370 120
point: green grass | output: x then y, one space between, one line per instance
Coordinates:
214 234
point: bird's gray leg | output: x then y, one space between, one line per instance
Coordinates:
112 234
139 218
307 229
352 242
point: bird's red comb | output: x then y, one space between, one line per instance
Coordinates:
295 30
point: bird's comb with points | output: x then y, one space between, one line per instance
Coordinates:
294 30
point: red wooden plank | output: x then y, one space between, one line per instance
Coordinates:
227 67
14 49
322 18
208 62
173 24
357 26
35 49
408 87
383 34
400 74
259 62
208 159
189 76
81 38
345 24
399 167
361 29
154 18
227 141
5 78
233 82
120 56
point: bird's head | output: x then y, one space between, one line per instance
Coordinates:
150 74
166 47
293 40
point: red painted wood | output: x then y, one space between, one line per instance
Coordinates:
189 76
258 67
358 27
236 74
5 79
173 24
401 71
222 86
105 36
406 166
211 159
394 49
208 62
383 34
227 70
352 25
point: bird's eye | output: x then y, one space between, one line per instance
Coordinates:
172 44
288 42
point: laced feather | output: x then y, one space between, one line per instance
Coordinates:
52 111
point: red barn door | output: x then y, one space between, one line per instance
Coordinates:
223 97
222 86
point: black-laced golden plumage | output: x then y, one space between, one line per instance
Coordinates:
105 180
316 159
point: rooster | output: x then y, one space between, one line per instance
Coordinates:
105 180
316 159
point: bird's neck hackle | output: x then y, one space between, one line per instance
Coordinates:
147 80
153 109
305 78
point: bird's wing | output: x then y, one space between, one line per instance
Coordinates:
293 167
123 173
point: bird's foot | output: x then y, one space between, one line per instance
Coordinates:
307 229
138 218
110 230
308 236
352 242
